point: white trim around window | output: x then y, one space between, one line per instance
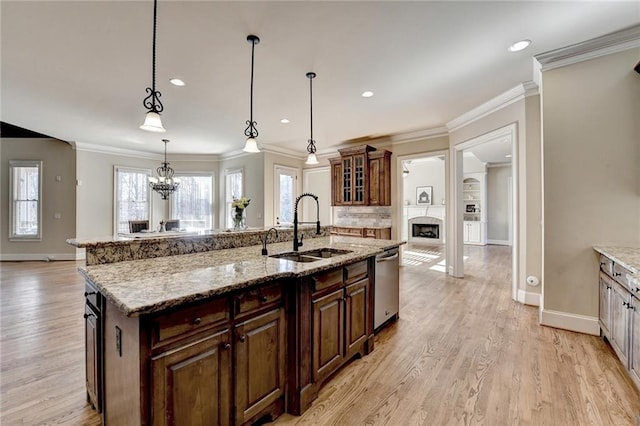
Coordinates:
145 197
25 201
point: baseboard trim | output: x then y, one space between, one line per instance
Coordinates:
499 242
529 298
572 322
46 257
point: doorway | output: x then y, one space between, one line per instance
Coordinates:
422 219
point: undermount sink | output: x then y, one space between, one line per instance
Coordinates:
295 257
311 255
325 252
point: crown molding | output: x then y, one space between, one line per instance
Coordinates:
418 135
194 157
627 38
515 94
101 149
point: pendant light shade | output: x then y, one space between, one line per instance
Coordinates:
152 122
311 146
251 132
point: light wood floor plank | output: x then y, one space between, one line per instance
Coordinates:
462 353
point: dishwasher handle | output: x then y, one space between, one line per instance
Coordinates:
387 258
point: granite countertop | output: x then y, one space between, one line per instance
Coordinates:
625 255
145 286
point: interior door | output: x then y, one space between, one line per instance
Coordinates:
286 191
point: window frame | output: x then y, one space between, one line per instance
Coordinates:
279 170
211 199
228 198
13 164
116 188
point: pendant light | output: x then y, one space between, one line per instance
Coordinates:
251 132
311 147
165 183
152 122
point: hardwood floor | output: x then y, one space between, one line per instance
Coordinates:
462 352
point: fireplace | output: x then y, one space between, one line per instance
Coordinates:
426 229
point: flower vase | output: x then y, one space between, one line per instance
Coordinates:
239 219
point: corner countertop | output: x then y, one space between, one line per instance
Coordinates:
627 255
145 286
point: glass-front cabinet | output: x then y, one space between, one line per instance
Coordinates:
353 179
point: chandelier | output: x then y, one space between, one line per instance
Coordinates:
251 132
152 122
165 183
311 147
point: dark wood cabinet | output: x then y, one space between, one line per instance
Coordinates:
347 231
361 177
259 360
190 384
328 334
355 316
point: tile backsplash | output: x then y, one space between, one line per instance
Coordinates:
362 216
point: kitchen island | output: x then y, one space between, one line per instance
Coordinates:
226 336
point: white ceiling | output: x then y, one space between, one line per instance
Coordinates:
78 70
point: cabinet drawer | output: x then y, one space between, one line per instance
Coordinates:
606 265
347 232
189 319
254 300
355 272
370 233
93 297
624 276
327 279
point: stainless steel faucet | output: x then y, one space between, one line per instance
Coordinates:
298 243
264 241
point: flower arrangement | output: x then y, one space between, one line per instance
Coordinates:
238 205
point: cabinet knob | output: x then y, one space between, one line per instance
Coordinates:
263 298
89 315
226 346
197 321
617 274
242 338
637 289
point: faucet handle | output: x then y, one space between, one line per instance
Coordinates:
301 238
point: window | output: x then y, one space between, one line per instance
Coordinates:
132 197
191 203
233 189
286 179
25 196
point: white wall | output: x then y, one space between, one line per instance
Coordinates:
253 166
424 172
318 182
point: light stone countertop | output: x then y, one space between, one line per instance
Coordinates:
624 255
151 285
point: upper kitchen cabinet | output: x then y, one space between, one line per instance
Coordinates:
361 176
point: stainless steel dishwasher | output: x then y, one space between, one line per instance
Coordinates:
387 288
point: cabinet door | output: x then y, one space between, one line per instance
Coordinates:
620 322
260 363
375 182
360 183
191 384
605 303
347 180
328 334
336 184
355 316
634 364
93 358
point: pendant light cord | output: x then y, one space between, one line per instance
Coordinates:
253 47
153 60
311 104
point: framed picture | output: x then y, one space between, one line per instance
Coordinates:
424 195
471 208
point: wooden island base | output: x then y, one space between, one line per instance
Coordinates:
237 358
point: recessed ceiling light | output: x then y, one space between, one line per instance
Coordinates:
177 82
367 94
285 121
508 155
519 45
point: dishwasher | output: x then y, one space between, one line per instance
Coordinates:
386 298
